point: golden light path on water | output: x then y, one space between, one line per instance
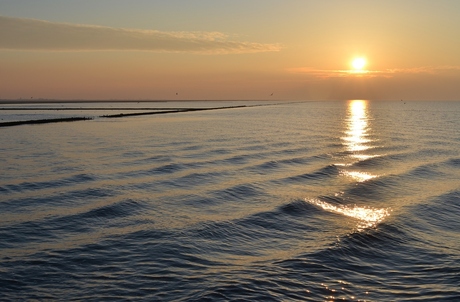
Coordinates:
355 139
355 142
357 127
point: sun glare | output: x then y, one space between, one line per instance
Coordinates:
358 63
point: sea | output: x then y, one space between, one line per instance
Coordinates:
353 200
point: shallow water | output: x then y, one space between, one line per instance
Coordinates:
314 201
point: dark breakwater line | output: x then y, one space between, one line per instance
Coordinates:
91 108
170 111
45 121
121 108
71 119
57 101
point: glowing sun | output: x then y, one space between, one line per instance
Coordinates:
358 64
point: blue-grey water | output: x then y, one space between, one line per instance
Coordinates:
314 201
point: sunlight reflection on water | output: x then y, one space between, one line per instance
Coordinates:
357 127
356 139
368 217
358 176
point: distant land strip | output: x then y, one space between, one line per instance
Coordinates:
44 121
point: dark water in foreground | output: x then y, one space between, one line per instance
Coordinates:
346 201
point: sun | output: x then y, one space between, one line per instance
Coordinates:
358 63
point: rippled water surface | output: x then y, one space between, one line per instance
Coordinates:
313 201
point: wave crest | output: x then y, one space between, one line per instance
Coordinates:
368 217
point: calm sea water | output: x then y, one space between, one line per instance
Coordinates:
314 201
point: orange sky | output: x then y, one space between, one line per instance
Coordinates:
297 50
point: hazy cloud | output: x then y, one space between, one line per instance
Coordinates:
425 69
386 73
322 73
31 34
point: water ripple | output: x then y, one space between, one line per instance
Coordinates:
316 201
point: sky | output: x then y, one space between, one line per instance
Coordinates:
230 49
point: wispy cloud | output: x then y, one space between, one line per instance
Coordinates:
31 34
324 73
424 69
386 73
